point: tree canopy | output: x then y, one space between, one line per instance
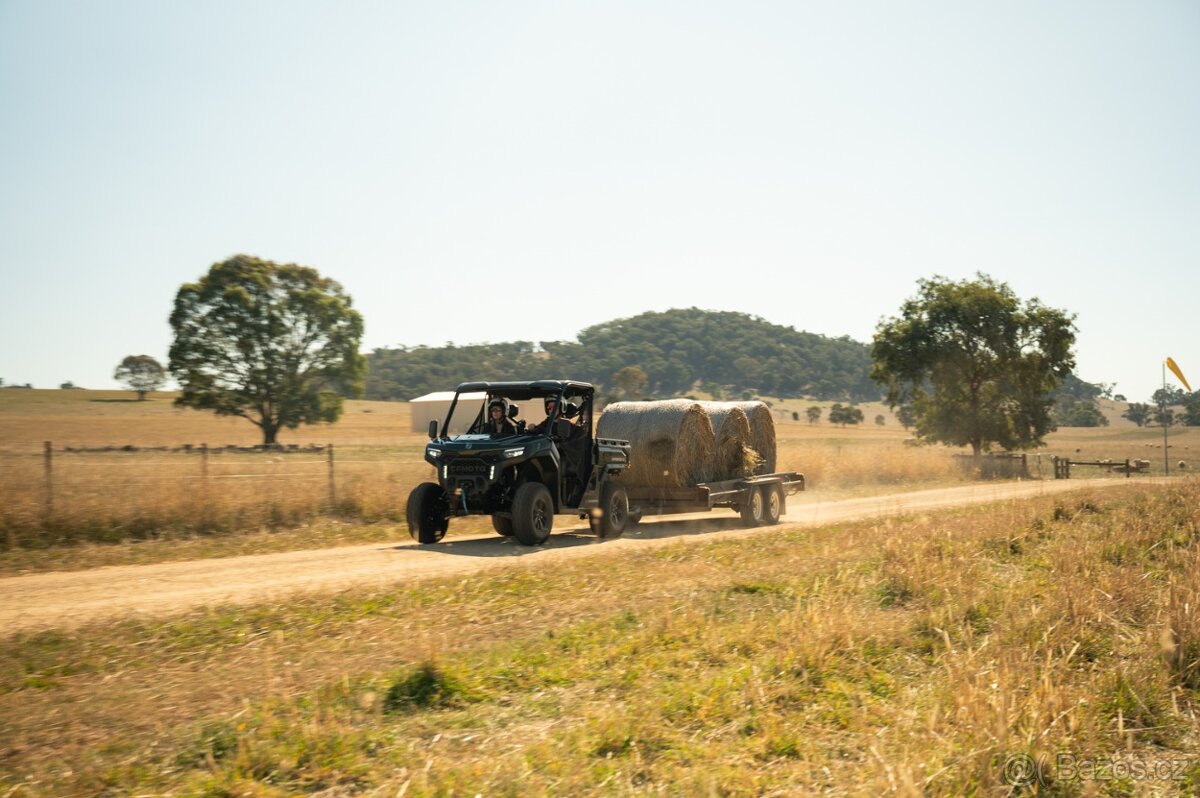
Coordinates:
845 414
141 373
1070 412
977 365
1191 410
274 344
631 381
1138 413
677 350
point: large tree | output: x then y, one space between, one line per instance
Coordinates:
976 363
845 414
276 344
631 381
141 373
1138 413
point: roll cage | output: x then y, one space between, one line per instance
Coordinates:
573 401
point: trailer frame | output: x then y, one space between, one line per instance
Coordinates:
736 494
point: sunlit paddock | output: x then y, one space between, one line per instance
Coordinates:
88 419
112 496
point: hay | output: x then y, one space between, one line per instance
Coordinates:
734 455
762 434
672 441
678 443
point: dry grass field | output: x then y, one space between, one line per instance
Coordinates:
910 657
275 501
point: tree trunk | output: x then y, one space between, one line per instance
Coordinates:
269 432
141 396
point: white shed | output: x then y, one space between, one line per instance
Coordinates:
434 406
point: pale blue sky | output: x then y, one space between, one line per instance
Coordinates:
805 162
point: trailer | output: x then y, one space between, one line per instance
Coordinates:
760 499
523 474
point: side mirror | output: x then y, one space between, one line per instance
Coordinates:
432 429
562 428
513 410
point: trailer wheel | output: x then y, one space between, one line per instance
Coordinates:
614 512
532 514
752 508
503 525
772 503
428 513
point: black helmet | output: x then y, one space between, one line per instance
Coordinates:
499 402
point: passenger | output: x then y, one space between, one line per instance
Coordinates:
498 423
551 412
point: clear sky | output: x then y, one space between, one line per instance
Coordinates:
483 171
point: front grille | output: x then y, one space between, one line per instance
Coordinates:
467 468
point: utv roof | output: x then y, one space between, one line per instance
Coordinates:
527 390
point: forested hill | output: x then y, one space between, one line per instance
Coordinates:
680 351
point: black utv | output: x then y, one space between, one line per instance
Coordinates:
519 472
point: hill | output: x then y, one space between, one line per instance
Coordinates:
682 350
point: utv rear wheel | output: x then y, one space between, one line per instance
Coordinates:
613 512
752 508
428 513
532 514
503 525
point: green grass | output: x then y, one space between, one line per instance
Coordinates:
903 656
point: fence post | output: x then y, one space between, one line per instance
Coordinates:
332 482
1128 470
49 468
204 462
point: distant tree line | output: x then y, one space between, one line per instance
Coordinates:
725 354
1075 403
1161 408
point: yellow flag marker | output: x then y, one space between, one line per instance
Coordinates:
1175 368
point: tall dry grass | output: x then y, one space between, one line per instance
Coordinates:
908 657
119 496
836 465
144 495
112 497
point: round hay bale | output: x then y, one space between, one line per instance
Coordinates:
671 441
762 434
733 451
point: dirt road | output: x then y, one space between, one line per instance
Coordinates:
65 599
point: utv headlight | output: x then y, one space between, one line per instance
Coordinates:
510 454
434 453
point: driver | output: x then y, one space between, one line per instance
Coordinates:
498 424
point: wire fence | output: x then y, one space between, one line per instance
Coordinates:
61 495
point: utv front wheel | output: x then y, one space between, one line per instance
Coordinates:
428 513
503 525
532 514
